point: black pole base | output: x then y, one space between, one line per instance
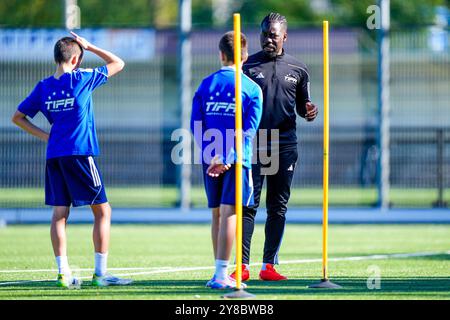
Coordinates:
238 294
325 284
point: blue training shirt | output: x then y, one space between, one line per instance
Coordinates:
213 111
67 104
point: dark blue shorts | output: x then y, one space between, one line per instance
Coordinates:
221 190
73 180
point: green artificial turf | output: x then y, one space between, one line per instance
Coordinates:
159 249
159 197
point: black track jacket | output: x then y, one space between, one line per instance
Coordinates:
285 85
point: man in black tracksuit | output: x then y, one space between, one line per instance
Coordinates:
285 84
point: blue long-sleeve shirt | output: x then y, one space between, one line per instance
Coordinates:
213 116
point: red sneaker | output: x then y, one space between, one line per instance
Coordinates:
244 276
270 274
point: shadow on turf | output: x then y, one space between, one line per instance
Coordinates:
436 287
440 257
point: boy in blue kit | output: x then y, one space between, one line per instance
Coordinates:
72 176
213 118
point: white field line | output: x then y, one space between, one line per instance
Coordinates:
371 257
79 270
23 282
302 261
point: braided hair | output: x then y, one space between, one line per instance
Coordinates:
275 17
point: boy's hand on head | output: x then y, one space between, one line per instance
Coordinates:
113 63
81 41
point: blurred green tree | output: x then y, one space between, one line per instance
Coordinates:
403 13
163 13
31 13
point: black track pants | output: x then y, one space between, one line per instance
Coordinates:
277 197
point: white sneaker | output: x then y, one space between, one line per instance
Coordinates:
68 281
228 283
109 280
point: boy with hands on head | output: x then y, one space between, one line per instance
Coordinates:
72 177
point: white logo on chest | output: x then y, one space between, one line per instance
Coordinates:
57 104
220 107
290 78
61 104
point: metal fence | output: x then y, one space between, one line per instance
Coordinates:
137 111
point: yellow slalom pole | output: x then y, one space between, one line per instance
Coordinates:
325 283
238 124
326 115
239 293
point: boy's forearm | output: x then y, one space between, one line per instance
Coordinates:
107 56
113 62
32 129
